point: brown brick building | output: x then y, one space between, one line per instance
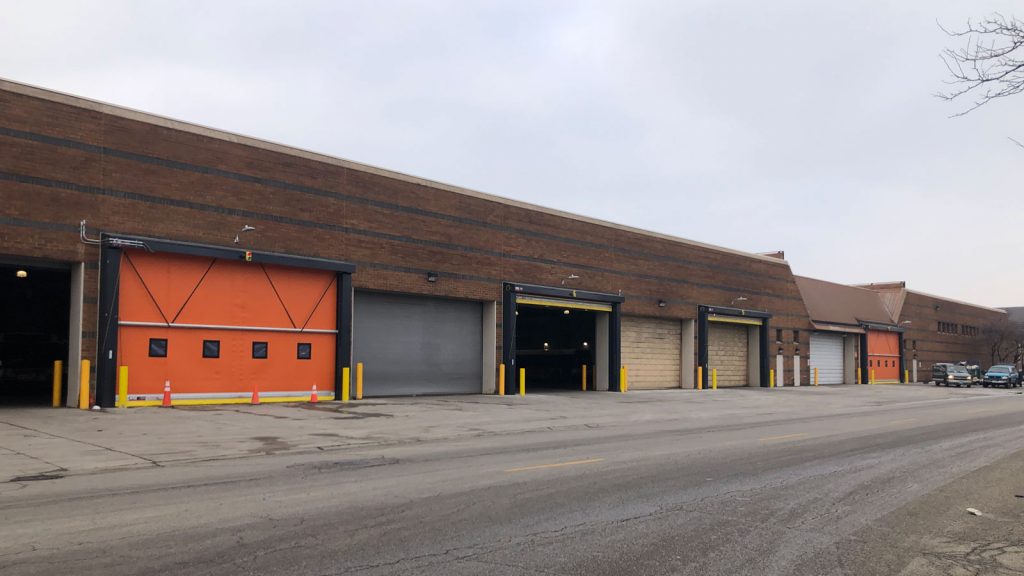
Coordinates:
939 329
141 181
431 286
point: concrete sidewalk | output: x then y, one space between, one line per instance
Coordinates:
59 442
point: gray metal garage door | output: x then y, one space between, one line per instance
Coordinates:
417 345
651 350
827 357
727 352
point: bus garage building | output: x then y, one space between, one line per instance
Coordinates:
222 263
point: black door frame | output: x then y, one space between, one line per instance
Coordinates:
702 338
508 327
110 274
865 371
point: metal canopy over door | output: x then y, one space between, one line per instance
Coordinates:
728 345
827 351
884 355
418 345
563 303
651 351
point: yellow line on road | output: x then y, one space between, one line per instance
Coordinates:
785 437
555 465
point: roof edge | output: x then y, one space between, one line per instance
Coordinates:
854 286
896 284
955 301
201 130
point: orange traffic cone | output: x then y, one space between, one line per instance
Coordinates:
255 393
167 394
313 399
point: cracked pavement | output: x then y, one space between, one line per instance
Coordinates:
852 480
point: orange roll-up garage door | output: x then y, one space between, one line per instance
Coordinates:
216 327
884 355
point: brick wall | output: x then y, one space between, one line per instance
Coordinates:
925 312
65 161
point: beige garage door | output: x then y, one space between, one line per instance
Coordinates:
727 352
651 349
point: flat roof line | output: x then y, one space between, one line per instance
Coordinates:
166 122
955 301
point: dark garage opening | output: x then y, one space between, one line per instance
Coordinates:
34 310
553 344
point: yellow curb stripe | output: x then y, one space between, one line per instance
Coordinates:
217 401
556 465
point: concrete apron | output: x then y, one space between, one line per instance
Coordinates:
37 443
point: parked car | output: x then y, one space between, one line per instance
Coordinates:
951 374
977 374
1002 375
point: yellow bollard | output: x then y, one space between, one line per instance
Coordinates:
714 378
359 380
83 387
815 376
122 387
623 379
700 377
906 376
522 381
771 378
859 380
58 377
584 384
872 376
501 379
346 378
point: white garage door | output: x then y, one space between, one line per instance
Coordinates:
827 357
727 352
651 350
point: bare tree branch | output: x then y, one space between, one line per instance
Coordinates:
989 65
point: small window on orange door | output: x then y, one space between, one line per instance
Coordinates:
158 347
305 351
259 350
211 348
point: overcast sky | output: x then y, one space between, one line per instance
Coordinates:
800 125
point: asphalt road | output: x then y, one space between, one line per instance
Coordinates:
840 492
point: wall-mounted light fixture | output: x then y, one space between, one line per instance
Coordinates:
662 303
738 299
569 277
547 346
431 276
586 345
244 229
21 273
906 323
